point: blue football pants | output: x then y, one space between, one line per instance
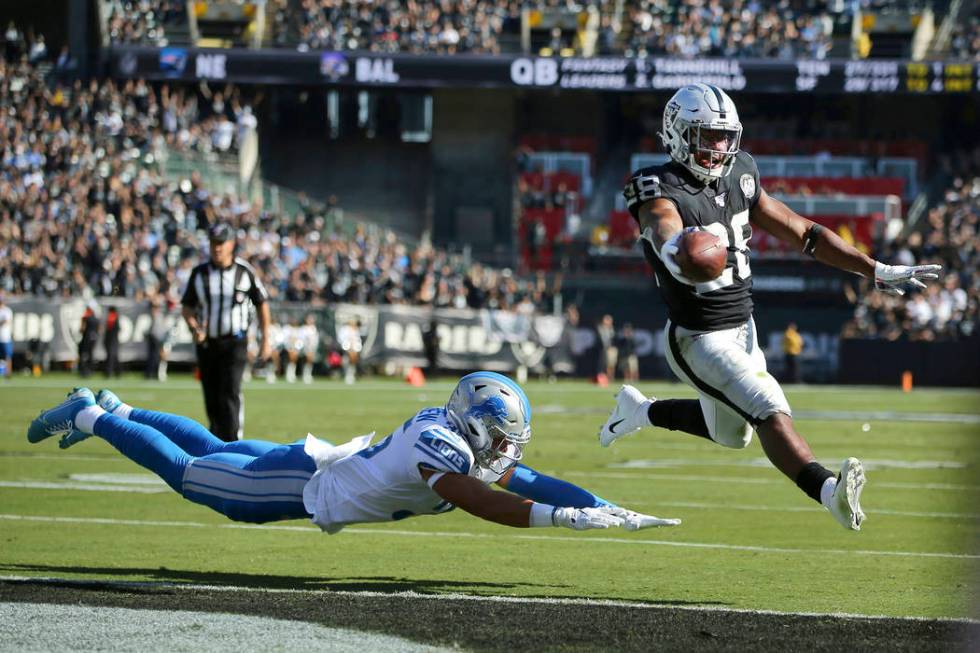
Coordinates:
246 480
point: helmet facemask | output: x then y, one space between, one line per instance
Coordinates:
712 149
503 450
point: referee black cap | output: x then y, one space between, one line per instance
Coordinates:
221 232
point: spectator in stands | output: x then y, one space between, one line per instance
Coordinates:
84 206
692 28
948 236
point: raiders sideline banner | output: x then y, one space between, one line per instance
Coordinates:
640 74
58 324
466 339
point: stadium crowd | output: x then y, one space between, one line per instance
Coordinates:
420 26
83 209
783 29
947 310
690 28
742 28
142 21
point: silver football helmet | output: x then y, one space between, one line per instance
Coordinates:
701 131
494 415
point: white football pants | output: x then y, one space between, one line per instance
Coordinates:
728 369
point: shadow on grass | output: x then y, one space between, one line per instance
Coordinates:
118 579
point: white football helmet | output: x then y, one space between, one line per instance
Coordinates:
701 131
494 415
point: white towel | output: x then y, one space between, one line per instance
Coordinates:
325 454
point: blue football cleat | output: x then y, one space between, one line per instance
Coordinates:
107 399
60 420
73 436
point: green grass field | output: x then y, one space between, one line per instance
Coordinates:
750 539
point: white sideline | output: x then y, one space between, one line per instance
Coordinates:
360 530
409 594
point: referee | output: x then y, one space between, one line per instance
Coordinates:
217 306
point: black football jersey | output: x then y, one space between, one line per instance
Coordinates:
722 208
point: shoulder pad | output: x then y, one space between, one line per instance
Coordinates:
442 450
642 187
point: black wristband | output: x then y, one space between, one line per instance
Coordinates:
810 239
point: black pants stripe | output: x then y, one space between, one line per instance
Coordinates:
700 383
222 364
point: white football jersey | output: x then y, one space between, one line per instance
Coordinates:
383 482
309 337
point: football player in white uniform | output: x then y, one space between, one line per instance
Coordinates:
309 337
440 458
709 184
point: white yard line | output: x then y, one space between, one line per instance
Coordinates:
360 530
814 509
84 487
762 481
409 594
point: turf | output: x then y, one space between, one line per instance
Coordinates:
750 539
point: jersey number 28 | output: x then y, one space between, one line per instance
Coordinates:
739 221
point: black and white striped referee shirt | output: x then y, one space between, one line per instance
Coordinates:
223 299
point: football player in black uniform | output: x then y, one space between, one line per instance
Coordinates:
710 184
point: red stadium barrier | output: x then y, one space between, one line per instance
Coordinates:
839 147
834 185
551 181
858 230
559 143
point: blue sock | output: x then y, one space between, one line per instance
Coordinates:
554 491
145 446
194 438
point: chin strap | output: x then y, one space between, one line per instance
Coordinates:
810 239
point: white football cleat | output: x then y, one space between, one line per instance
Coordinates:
629 415
845 503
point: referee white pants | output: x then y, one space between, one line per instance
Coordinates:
728 369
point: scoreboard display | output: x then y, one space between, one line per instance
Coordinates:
615 74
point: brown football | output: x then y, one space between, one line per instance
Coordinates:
701 256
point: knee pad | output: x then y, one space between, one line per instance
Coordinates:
731 434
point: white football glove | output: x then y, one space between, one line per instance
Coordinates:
581 519
889 277
637 521
669 251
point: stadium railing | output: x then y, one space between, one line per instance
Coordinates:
577 163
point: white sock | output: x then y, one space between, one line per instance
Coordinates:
644 410
827 491
122 410
85 419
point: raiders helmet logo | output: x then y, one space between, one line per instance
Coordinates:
748 185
